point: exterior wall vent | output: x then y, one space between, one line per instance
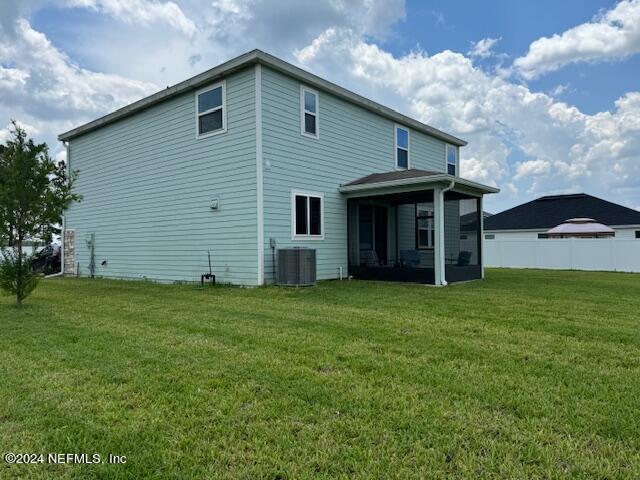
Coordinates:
296 267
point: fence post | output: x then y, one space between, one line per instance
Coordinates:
571 255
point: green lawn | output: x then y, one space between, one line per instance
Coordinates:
528 374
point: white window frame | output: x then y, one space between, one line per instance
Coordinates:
431 227
446 158
303 111
408 149
222 84
303 193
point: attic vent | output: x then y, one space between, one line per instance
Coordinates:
296 267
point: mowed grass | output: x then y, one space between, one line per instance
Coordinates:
527 374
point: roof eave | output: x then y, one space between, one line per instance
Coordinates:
249 58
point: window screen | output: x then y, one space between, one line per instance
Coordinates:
211 110
309 112
402 148
452 160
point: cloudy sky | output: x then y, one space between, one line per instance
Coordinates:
547 93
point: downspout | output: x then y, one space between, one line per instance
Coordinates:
442 252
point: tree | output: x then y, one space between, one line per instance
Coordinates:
34 193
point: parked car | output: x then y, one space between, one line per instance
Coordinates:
47 260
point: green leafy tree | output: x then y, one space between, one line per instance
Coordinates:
34 193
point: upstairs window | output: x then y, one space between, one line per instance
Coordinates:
309 112
425 231
308 216
402 148
211 111
638 234
452 160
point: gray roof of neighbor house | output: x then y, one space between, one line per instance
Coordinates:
259 57
547 212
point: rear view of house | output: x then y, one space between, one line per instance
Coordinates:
257 155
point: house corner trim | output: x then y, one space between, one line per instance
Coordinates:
259 174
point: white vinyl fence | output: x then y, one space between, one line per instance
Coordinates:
25 250
567 253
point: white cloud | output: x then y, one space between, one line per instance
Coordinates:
483 48
286 24
142 12
48 93
533 167
46 81
12 78
559 89
523 141
225 28
562 148
45 87
612 34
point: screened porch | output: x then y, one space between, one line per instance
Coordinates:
403 232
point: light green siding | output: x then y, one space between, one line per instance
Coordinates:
353 142
147 184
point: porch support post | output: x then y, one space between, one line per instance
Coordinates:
481 239
438 247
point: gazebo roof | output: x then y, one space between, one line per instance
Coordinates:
581 226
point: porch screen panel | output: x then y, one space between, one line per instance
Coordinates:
461 231
366 227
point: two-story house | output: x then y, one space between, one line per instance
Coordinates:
256 155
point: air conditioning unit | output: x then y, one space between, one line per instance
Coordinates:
296 267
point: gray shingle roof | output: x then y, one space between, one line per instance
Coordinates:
547 212
395 175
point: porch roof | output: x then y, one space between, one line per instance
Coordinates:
410 180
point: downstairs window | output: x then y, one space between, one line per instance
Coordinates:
308 216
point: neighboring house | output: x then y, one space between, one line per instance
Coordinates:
533 219
576 231
256 155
